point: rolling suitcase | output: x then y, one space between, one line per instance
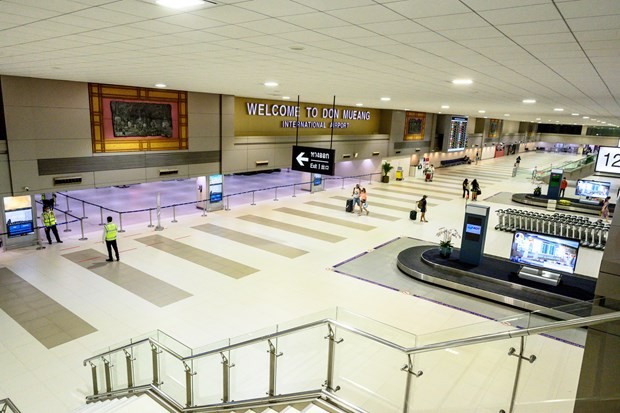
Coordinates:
349 207
413 215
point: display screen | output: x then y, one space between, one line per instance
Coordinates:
544 251
19 222
473 228
216 188
317 179
592 189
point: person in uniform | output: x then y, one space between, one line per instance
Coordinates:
49 220
109 236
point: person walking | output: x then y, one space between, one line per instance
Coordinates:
49 220
466 188
518 163
356 197
475 189
605 209
109 236
363 201
422 206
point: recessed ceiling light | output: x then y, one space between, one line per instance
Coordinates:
286 97
181 4
603 122
586 117
438 112
445 107
482 111
537 118
160 85
506 114
271 84
386 99
574 114
529 100
359 104
462 81
558 109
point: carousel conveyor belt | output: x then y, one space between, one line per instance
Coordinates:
494 279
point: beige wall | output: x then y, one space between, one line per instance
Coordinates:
51 119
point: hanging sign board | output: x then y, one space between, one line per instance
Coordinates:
313 160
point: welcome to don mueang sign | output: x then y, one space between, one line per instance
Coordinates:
311 112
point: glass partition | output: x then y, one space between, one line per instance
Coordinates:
303 363
467 379
368 373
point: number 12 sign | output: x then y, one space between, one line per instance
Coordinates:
608 160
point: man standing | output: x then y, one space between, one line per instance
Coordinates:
49 220
109 235
563 186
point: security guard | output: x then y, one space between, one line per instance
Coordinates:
109 235
49 220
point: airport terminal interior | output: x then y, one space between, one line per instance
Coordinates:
124 108
235 271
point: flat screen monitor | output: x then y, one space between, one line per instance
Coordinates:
544 251
592 189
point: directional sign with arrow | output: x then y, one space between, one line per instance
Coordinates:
314 160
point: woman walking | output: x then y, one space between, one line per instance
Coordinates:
475 190
466 187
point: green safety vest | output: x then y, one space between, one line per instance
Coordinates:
110 231
49 219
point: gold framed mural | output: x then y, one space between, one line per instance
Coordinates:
132 119
493 128
414 126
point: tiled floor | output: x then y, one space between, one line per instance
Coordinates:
206 278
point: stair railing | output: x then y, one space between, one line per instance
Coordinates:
334 327
7 406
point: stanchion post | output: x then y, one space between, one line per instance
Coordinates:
67 198
82 229
294 190
120 221
252 199
204 207
84 211
174 213
67 229
276 198
342 183
101 213
228 203
150 225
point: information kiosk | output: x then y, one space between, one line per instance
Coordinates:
474 234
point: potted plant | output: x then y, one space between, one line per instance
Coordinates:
445 241
386 167
537 191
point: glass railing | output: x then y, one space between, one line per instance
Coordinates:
342 357
567 166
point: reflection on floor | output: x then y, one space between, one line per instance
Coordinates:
205 278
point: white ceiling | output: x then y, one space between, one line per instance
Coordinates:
563 53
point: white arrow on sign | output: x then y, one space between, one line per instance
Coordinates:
300 159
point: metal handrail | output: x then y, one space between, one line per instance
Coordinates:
10 404
547 328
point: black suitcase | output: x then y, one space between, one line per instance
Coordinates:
349 207
413 215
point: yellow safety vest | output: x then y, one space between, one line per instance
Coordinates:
49 219
110 231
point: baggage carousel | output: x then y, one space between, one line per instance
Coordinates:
495 279
576 205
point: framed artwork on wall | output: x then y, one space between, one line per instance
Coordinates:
131 119
414 126
493 128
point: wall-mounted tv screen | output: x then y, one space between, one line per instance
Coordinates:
592 189
544 251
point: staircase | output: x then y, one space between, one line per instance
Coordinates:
132 404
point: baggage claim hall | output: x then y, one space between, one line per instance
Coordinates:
224 139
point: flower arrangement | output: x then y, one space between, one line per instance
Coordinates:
446 236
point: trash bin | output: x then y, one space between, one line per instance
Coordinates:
399 173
